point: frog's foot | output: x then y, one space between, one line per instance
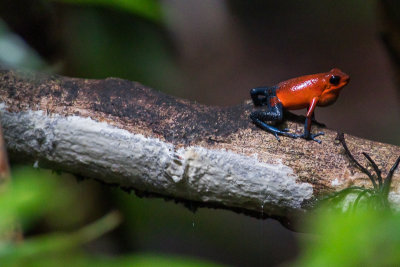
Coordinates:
283 132
272 129
311 136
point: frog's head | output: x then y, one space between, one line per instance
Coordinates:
335 79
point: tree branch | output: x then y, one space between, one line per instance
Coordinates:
123 133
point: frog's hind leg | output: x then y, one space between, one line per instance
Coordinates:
273 113
264 92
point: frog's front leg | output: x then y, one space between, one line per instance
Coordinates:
273 113
309 136
307 125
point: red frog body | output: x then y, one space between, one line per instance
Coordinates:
307 91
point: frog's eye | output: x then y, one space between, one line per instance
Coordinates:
334 80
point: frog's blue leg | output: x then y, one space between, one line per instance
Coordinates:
307 125
309 136
273 113
264 92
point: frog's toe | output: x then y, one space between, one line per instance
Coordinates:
291 135
317 134
316 140
277 137
312 137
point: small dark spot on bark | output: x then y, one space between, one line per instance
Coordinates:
12 91
71 89
44 92
57 93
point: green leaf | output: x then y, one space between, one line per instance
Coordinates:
23 199
368 237
34 192
44 246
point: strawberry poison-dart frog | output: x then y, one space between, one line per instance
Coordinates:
308 91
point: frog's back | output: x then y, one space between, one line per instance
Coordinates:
297 93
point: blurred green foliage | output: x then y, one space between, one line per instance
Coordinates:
24 199
137 260
359 237
33 194
149 9
100 43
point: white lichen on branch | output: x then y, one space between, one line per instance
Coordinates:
116 156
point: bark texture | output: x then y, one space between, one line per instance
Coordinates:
123 133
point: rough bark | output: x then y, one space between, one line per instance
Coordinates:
123 133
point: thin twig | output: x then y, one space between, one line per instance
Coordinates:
388 180
377 170
340 138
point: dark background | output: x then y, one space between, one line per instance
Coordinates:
213 52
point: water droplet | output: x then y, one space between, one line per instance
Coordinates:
262 209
